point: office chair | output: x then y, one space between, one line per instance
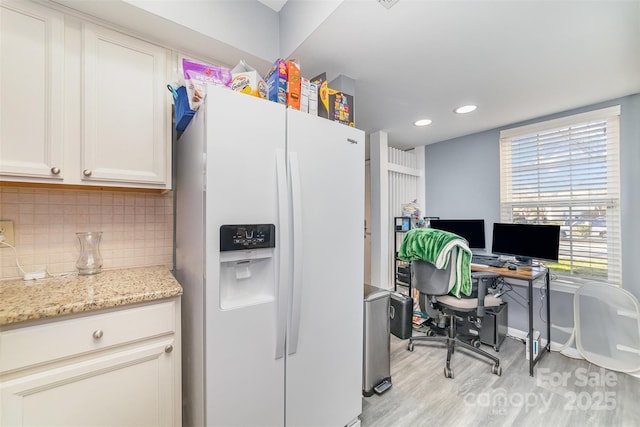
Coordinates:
444 310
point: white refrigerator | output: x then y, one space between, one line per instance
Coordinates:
269 251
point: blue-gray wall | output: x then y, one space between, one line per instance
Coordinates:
463 181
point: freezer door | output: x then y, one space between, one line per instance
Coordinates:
244 375
324 364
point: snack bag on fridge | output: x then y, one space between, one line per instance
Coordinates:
197 76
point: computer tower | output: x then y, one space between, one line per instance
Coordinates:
401 315
494 326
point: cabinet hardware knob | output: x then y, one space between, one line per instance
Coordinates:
55 170
86 172
97 334
168 348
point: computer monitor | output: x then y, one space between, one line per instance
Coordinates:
526 241
470 229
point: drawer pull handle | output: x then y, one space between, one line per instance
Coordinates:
55 170
168 348
86 172
97 334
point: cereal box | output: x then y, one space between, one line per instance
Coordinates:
313 99
304 94
341 107
293 84
333 104
323 96
277 82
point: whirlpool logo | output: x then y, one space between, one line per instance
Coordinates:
353 141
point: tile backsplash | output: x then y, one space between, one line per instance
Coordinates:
137 228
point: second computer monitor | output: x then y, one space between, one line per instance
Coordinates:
526 241
470 229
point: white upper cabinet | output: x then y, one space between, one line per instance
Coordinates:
82 104
124 115
31 91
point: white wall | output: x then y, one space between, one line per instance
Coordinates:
463 181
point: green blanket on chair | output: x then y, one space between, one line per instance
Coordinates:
438 247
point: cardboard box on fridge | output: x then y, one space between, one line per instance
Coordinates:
305 86
246 79
277 82
334 104
341 108
313 99
294 85
323 96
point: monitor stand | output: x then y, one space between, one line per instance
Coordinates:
482 253
523 260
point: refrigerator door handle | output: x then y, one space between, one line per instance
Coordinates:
282 275
296 288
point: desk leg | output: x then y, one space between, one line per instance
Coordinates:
530 347
547 347
548 279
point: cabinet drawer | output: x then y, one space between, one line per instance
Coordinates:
32 345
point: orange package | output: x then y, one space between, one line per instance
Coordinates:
293 84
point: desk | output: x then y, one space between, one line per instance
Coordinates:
530 275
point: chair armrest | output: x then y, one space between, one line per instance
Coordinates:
483 278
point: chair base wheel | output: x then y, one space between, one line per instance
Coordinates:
448 373
495 369
410 346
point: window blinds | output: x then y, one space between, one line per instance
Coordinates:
566 172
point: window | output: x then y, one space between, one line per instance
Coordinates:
566 172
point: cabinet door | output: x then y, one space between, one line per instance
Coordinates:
132 387
125 136
31 91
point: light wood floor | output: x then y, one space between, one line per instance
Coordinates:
564 392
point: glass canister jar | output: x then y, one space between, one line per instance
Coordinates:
90 260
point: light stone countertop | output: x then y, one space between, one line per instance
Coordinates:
22 300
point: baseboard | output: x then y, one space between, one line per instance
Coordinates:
516 333
522 335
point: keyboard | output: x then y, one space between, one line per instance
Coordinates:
490 260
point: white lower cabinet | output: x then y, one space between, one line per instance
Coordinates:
116 368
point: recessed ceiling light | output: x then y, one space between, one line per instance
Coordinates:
465 109
423 122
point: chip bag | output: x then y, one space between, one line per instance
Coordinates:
197 76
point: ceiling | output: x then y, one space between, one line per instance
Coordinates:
274 4
516 60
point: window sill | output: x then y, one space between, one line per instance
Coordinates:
568 284
564 285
